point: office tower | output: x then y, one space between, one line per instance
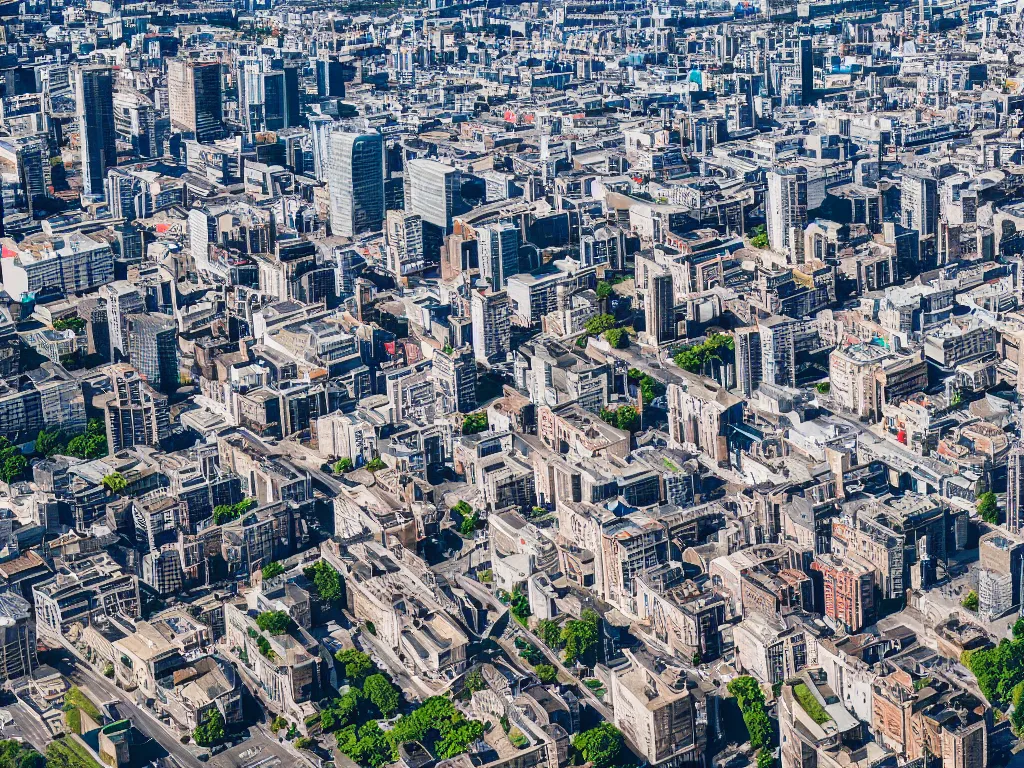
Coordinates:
125 195
748 359
153 350
807 95
194 98
659 308
320 128
491 313
356 183
94 105
919 201
135 123
17 637
122 299
498 250
455 373
787 210
1015 489
330 78
135 413
434 191
28 159
778 350
404 62
403 236
292 98
202 233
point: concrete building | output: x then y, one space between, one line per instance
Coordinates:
701 415
135 413
17 637
94 109
194 98
356 183
491 314
787 211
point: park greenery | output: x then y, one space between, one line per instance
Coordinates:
272 569
225 513
67 752
988 508
550 632
211 731
696 358
759 236
601 746
475 681
1000 674
274 622
91 444
114 482
604 289
470 518
805 698
382 694
625 417
750 698
649 386
617 337
474 422
72 323
970 601
15 754
579 636
546 672
341 466
356 665
376 464
326 580
75 703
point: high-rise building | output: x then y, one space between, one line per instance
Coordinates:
1015 489
659 308
748 359
403 235
434 191
491 313
135 122
787 210
94 105
498 251
153 349
194 98
330 78
136 414
320 128
919 202
455 374
807 95
17 637
122 299
356 183
778 350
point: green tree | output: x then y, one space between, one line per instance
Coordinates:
473 423
272 569
381 693
1018 628
456 740
546 672
604 289
765 759
49 442
475 681
988 508
469 524
617 337
759 236
600 746
15 754
13 467
550 632
369 746
326 580
696 359
376 464
598 324
211 730
823 387
341 466
970 601
750 698
114 482
274 622
357 664
579 636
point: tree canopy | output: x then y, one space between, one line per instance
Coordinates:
211 730
326 580
579 636
600 746
381 693
274 622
